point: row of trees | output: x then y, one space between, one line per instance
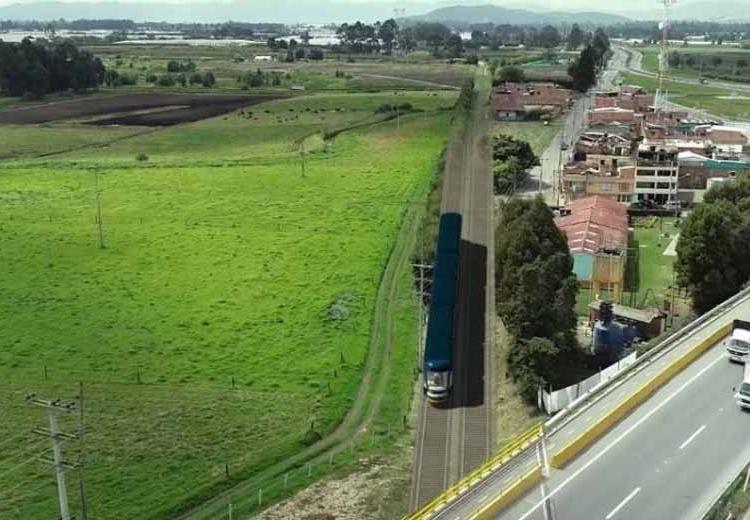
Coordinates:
388 37
712 260
535 294
33 69
170 80
593 57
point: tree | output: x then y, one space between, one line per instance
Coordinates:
208 79
196 78
388 32
454 46
742 63
535 292
717 60
711 253
504 147
111 78
575 37
167 80
674 59
512 74
181 79
173 66
583 70
316 54
549 37
299 54
508 176
434 35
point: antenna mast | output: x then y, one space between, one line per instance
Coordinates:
661 95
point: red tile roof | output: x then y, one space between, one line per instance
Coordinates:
595 223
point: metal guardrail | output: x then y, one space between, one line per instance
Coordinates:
505 455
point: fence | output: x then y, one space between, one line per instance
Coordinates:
555 401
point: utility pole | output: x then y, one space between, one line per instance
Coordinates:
302 156
82 456
57 436
97 194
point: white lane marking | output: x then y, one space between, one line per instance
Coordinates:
693 436
622 504
622 436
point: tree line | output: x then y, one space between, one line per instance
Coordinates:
32 69
712 260
535 295
591 60
512 160
388 37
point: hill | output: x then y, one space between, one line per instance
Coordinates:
501 15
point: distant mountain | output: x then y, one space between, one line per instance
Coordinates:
501 15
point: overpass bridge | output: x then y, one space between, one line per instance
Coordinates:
663 439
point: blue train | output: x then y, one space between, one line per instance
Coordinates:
437 369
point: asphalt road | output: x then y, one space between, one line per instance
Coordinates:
670 459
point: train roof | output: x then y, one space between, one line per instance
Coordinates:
449 234
438 351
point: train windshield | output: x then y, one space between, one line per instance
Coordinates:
740 344
437 379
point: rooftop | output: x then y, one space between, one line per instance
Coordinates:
594 224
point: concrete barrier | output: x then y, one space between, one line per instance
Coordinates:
568 452
509 495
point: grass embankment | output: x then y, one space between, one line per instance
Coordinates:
536 133
649 272
227 317
717 101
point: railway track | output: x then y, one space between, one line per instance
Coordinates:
454 439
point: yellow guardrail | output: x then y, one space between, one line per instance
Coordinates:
583 440
510 450
510 494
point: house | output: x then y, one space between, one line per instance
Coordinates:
728 142
608 115
260 59
617 183
698 171
657 173
596 229
507 105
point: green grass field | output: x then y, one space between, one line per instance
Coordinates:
696 60
229 312
717 101
536 133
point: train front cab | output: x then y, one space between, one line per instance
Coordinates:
437 385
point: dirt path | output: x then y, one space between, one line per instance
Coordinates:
413 81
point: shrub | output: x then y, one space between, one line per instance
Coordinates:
141 157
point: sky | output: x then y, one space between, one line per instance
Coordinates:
567 5
289 11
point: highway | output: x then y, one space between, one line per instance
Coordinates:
671 458
456 438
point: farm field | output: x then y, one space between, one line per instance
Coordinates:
717 101
335 72
727 63
225 323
